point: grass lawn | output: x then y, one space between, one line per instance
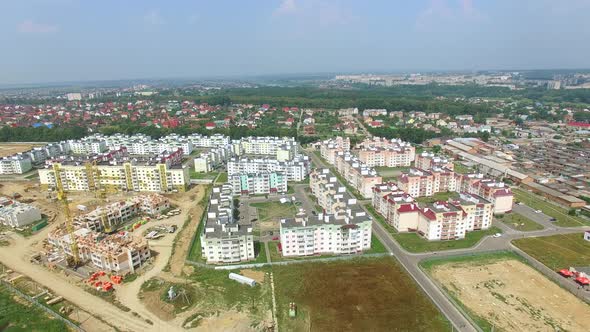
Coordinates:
413 242
355 295
538 203
201 176
441 196
390 172
519 222
222 178
194 253
460 168
23 316
380 219
276 256
269 211
557 251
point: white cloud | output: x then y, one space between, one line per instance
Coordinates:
153 17
30 26
286 7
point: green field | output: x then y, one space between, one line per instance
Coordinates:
354 295
460 168
222 178
18 316
557 251
202 176
271 211
413 242
538 203
519 222
391 172
441 196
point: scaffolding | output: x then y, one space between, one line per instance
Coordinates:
99 190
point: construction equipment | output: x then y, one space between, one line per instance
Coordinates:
74 259
95 184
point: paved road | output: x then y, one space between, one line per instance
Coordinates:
540 218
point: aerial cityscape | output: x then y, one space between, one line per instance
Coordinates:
295 165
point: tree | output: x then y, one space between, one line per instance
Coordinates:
436 149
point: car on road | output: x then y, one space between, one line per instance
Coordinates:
552 219
538 211
276 238
253 220
497 235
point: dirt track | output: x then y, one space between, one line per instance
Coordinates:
514 296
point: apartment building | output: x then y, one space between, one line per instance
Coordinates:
296 169
16 164
87 146
114 214
258 183
357 174
209 160
282 148
378 151
399 209
116 172
224 239
342 228
422 183
16 214
478 212
330 194
330 148
345 232
428 160
498 193
441 221
119 253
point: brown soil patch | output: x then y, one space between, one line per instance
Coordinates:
154 304
8 149
513 296
226 321
189 201
256 275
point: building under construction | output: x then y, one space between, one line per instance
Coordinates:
120 253
112 215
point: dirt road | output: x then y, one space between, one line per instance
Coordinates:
128 293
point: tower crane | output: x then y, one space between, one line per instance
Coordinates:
95 184
63 198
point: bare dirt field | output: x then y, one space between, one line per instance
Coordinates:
356 295
512 296
7 149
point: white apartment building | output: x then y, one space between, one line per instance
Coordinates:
296 169
209 160
15 214
87 146
258 183
282 148
428 160
343 227
16 164
225 240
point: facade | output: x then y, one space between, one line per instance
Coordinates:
115 173
382 152
296 169
15 214
330 148
212 159
119 253
357 174
225 240
258 183
343 227
16 164
498 193
282 148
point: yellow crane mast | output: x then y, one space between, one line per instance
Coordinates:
95 184
63 198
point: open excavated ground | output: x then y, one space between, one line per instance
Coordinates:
506 293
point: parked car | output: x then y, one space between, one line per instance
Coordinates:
552 219
497 235
538 211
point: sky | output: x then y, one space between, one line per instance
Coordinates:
82 40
